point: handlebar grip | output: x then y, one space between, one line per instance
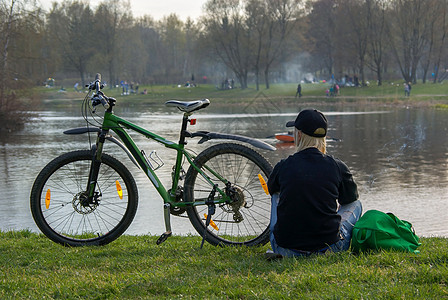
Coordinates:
97 82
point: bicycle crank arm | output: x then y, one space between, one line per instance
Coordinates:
168 232
163 237
206 136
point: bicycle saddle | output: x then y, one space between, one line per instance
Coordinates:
188 106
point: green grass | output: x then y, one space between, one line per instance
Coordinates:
389 91
134 267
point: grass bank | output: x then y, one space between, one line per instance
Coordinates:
389 92
134 267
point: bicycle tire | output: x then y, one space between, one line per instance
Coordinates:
56 206
245 221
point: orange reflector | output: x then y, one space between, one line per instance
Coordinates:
212 223
263 184
47 199
119 190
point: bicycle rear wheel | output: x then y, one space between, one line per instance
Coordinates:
58 201
246 220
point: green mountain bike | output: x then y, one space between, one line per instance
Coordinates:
88 197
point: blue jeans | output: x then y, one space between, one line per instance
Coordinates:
350 214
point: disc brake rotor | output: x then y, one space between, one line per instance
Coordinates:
80 203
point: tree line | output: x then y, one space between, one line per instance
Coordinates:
253 41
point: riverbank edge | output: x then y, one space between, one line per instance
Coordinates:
279 94
135 267
277 101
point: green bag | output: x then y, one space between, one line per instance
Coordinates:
377 230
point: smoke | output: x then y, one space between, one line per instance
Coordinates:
294 69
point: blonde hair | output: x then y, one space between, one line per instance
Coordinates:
307 141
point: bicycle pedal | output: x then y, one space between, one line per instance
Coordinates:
163 237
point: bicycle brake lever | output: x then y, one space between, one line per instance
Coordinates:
99 99
105 103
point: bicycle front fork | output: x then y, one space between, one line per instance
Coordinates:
95 168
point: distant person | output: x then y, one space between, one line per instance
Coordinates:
356 79
410 88
299 91
76 87
314 197
407 90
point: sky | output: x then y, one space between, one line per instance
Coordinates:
155 8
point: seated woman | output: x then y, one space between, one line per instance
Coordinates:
306 189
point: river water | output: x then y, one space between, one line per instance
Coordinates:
398 155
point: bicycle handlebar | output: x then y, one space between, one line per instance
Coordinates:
98 85
98 96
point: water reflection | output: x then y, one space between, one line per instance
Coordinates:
399 157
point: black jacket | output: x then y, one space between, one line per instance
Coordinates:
310 184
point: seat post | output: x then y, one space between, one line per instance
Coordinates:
184 129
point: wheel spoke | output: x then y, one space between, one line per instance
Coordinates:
69 219
246 219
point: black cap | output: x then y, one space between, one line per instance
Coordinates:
311 122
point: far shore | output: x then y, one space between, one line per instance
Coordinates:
388 95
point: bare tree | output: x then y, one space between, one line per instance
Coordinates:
9 13
428 53
191 57
109 18
16 49
376 22
283 16
440 34
20 34
322 33
225 26
356 16
408 28
133 57
152 47
173 42
257 20
71 24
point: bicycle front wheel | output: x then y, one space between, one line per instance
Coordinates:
243 221
59 206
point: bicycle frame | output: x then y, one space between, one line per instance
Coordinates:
172 198
119 126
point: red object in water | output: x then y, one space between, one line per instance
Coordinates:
285 137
